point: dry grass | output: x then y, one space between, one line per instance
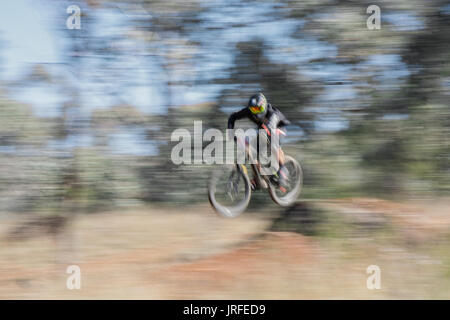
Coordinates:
193 254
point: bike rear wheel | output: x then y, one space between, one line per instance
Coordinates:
295 181
229 190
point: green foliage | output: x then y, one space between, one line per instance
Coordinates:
395 140
18 126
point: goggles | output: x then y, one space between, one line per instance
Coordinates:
257 109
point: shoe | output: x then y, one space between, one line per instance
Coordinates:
283 178
275 180
253 185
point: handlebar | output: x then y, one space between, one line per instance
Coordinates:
277 131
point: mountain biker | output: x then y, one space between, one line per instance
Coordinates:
263 113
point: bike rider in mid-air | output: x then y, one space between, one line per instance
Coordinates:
263 113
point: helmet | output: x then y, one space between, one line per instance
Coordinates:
257 104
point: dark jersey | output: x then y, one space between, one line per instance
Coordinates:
273 118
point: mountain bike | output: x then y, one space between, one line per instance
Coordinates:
230 186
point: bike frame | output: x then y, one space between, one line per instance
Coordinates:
262 181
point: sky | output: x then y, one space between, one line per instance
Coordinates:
29 35
26 36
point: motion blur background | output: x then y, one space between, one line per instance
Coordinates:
86 177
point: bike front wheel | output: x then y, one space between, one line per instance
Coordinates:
295 181
229 190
